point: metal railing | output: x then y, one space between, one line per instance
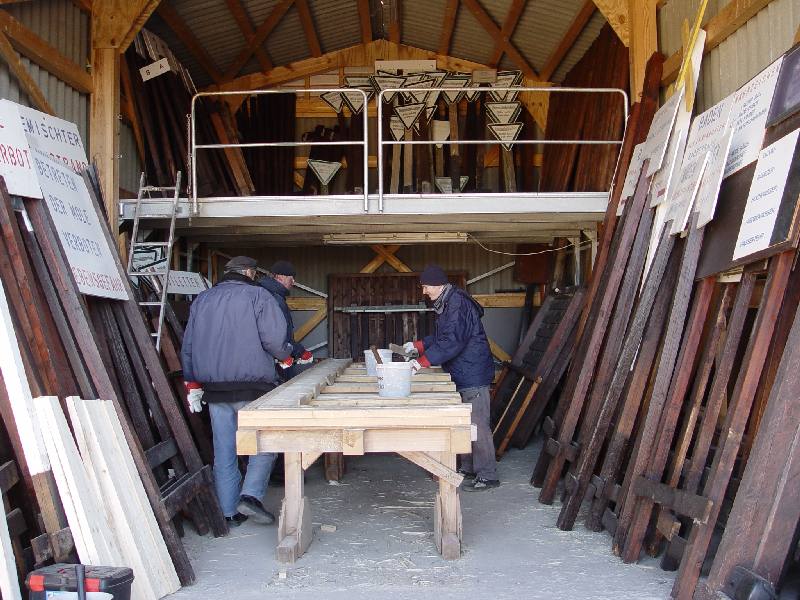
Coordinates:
194 146
382 142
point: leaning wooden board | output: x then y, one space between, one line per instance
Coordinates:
335 407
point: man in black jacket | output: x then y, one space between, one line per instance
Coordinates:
279 282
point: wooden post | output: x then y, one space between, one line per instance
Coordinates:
294 524
447 513
643 41
104 126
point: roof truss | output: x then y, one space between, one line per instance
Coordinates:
575 29
245 25
450 14
187 38
509 25
365 20
259 37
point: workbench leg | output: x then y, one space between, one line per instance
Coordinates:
294 525
447 513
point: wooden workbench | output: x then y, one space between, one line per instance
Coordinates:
335 407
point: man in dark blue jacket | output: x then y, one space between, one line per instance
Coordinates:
460 346
279 283
235 333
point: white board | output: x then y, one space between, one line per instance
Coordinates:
680 204
660 130
749 117
57 137
764 199
78 227
187 283
632 176
9 583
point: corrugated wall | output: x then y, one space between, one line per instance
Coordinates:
65 27
742 55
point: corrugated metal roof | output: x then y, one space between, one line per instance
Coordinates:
541 28
287 42
337 23
421 23
581 45
470 40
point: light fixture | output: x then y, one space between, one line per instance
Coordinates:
394 238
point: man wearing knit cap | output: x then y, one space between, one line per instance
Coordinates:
235 333
460 346
279 283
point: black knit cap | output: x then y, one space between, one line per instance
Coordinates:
283 267
433 275
241 263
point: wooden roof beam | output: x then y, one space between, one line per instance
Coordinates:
308 27
616 13
721 26
489 26
26 82
575 29
643 42
43 54
116 22
365 21
187 38
509 25
449 23
258 38
243 21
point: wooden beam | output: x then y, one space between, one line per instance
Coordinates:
243 21
116 22
509 25
504 300
643 42
308 27
24 78
388 254
306 303
129 108
43 54
365 21
104 127
84 5
307 327
448 24
485 20
258 38
575 29
616 13
724 24
187 38
498 352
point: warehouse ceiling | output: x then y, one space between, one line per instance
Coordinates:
214 38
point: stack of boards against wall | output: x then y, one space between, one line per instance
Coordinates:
107 508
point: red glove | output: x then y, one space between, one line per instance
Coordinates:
285 364
419 346
305 358
424 362
192 385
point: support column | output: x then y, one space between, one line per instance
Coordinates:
104 126
447 513
294 524
643 41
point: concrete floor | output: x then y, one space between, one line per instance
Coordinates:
382 546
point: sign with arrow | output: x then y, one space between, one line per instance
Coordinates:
503 112
505 132
325 170
455 81
387 82
445 184
334 100
409 113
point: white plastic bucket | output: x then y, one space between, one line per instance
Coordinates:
369 359
394 379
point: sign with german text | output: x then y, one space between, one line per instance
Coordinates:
57 137
506 79
766 196
387 82
334 100
445 184
78 228
409 113
187 283
749 117
396 128
503 112
631 177
325 170
680 203
508 132
454 81
660 130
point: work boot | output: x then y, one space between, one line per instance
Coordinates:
236 520
479 484
466 474
251 507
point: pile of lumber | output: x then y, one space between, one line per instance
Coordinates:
83 388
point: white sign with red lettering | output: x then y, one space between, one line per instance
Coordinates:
57 137
78 227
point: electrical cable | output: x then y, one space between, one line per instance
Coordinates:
580 246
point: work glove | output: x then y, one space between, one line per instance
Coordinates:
305 358
194 396
286 363
410 349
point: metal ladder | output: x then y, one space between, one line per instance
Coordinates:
145 197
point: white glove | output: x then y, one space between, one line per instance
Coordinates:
415 367
410 349
195 399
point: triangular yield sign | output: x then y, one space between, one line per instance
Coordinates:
324 170
503 112
409 113
472 96
445 184
455 81
411 81
429 113
354 101
506 79
396 128
505 132
387 82
422 96
437 76
334 100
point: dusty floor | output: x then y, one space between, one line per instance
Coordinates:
382 546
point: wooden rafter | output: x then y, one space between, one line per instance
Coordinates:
26 82
575 29
308 27
509 25
616 13
187 38
394 30
243 21
84 5
365 21
724 24
643 42
128 106
43 54
485 21
258 38
116 22
448 24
